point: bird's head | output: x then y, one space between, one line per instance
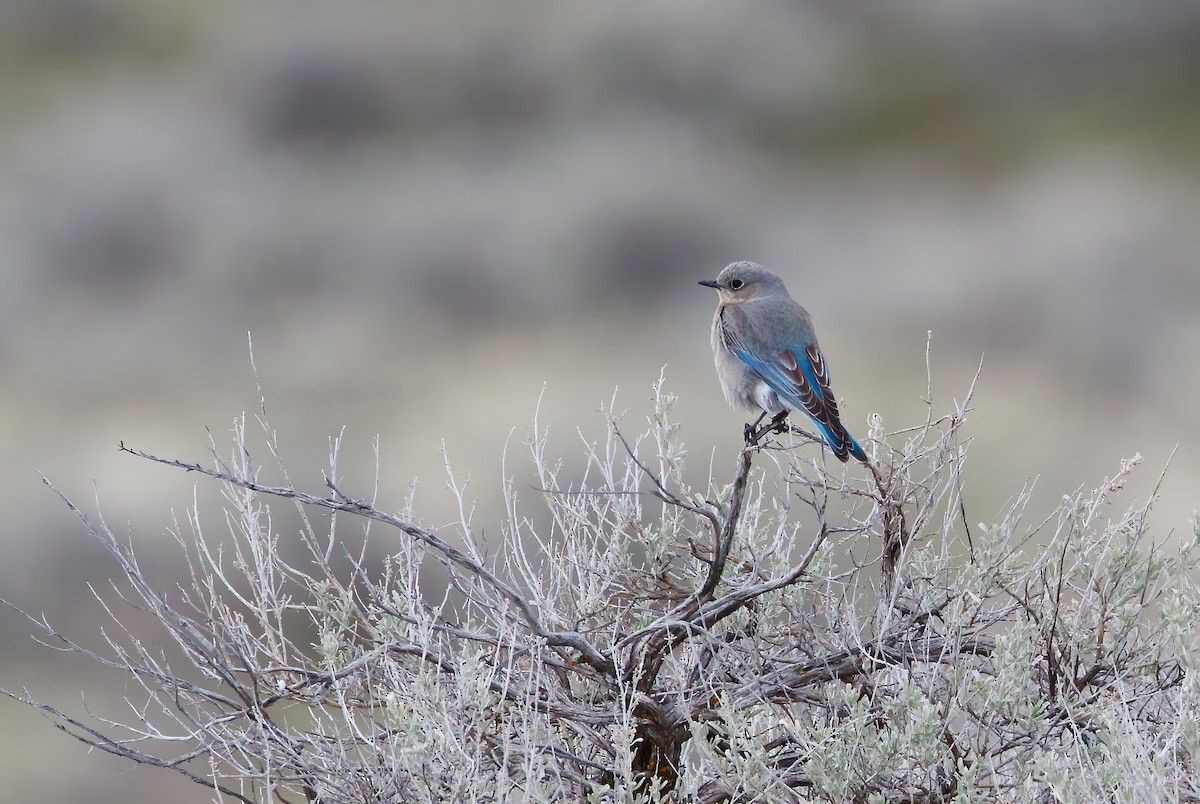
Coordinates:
745 281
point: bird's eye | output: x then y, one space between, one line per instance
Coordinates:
736 284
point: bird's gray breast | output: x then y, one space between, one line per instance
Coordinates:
742 387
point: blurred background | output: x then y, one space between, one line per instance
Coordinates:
426 214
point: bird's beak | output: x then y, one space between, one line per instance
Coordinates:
709 283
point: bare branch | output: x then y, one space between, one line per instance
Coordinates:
837 632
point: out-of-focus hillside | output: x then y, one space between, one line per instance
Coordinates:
425 214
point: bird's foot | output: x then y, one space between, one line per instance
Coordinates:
751 432
754 434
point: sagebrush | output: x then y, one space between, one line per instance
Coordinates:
794 630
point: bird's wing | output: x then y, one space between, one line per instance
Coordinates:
800 378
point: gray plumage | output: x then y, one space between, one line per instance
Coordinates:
767 356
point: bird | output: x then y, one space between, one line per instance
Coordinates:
767 356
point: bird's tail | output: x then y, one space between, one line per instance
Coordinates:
840 442
854 449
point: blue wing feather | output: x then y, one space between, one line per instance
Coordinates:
799 378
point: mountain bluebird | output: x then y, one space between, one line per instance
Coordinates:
767 356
